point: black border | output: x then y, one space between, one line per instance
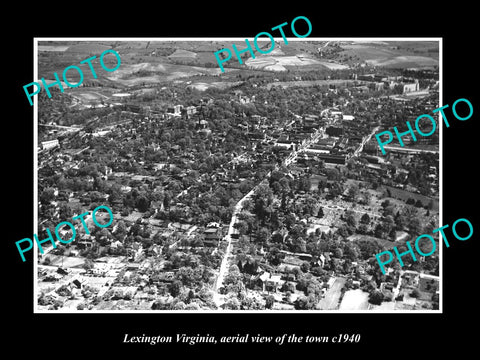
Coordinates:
103 333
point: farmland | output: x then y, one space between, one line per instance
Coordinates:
397 54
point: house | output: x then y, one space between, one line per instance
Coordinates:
213 224
175 110
167 276
132 266
322 260
86 241
190 110
285 144
212 236
273 283
282 306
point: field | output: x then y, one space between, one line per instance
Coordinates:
279 62
385 243
89 96
405 62
286 84
202 86
180 53
59 48
134 74
394 54
355 300
89 48
428 287
65 261
405 195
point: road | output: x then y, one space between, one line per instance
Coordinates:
365 140
314 138
332 296
217 298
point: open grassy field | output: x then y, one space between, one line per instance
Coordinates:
394 54
385 243
405 195
355 300
183 54
281 62
405 62
88 48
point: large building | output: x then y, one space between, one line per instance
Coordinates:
412 87
46 145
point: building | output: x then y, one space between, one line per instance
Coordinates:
286 144
175 110
190 110
46 145
412 87
332 159
212 236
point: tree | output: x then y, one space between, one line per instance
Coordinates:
142 203
411 201
352 192
166 199
400 221
299 245
241 226
385 203
262 235
376 297
304 303
365 219
320 213
269 301
232 304
175 287
289 220
415 227
179 306
121 230
277 237
415 293
338 253
350 218
305 267
47 196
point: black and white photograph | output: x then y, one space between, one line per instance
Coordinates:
220 180
256 187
